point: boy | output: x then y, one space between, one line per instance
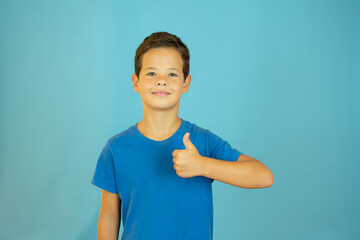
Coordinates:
157 174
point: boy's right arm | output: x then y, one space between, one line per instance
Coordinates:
109 217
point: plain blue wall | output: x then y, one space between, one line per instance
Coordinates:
279 80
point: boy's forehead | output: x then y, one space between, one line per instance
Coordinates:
162 51
162 56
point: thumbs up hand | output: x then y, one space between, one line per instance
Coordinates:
188 162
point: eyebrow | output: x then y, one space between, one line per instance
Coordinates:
157 68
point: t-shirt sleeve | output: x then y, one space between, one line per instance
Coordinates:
104 176
221 149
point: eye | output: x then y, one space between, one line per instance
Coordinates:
172 75
151 74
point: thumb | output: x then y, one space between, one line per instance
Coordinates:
188 144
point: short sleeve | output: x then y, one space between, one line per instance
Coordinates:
221 149
104 176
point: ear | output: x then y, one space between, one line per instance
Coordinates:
135 81
186 84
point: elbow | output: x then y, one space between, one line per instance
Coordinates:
266 181
266 176
269 179
270 182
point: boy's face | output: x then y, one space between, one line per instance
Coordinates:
161 79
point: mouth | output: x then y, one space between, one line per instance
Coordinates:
161 93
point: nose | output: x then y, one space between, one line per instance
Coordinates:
161 82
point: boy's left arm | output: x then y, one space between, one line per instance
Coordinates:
246 172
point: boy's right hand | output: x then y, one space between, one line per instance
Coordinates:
188 162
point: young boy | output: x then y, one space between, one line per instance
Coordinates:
157 174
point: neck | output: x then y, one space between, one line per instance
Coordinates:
159 125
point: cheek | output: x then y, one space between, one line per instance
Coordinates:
147 85
177 87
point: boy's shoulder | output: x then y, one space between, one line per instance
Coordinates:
198 129
124 135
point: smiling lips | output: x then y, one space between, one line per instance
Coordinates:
160 93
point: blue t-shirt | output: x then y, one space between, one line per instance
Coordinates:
156 203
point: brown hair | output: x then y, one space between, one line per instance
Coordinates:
162 39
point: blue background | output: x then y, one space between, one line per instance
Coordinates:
278 80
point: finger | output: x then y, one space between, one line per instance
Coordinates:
188 144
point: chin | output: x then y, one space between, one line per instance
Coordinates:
161 107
